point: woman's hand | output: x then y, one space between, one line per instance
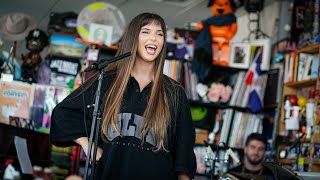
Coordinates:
84 143
183 176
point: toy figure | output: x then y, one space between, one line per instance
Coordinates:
36 41
220 29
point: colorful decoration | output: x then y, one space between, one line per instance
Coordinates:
254 82
219 30
302 101
36 41
219 93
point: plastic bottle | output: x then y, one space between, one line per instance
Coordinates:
310 113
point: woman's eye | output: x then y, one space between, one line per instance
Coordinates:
144 32
160 34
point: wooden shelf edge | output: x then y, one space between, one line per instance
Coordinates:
315 161
311 49
303 83
284 139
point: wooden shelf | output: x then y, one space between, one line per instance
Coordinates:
304 83
227 106
316 161
293 88
214 147
312 49
270 106
285 140
286 161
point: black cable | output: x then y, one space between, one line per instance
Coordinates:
84 105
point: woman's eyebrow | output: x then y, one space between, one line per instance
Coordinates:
145 29
159 30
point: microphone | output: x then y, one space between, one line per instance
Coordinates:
105 62
234 157
208 149
92 67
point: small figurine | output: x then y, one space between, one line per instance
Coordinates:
36 41
220 29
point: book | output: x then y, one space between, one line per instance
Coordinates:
271 96
226 116
16 98
303 58
314 67
236 88
308 66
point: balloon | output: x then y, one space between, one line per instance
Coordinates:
302 101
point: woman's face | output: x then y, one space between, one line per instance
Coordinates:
150 42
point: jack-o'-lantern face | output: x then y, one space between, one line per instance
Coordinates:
222 7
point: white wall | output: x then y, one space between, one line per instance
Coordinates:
271 12
267 20
39 9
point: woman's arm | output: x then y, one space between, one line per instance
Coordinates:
185 161
84 143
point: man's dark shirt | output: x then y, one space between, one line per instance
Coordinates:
265 172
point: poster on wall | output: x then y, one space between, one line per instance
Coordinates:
16 98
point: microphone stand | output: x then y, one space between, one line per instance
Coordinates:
96 119
213 159
228 153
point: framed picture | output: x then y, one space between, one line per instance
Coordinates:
240 55
261 47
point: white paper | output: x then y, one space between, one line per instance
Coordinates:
23 156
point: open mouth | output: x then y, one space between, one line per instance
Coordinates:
220 11
151 49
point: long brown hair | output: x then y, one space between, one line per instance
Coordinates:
157 113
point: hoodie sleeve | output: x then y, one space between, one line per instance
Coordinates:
185 160
71 118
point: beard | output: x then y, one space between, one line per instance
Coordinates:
254 162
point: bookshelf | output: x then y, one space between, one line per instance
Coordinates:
302 84
39 154
227 106
299 86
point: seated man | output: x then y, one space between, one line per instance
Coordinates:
254 151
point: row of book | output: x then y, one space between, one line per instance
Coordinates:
300 66
237 126
180 71
30 101
241 91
